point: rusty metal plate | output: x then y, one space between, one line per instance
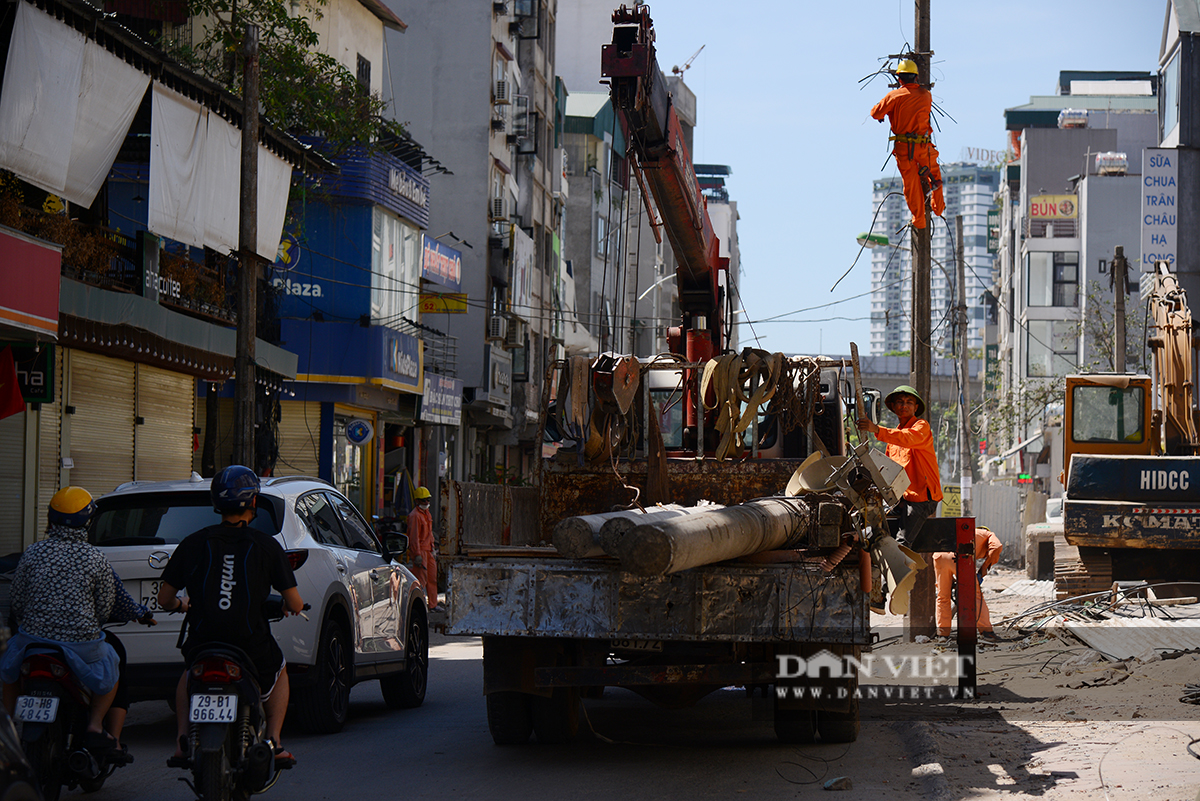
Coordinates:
792 602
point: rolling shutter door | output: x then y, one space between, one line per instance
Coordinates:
224 449
12 473
102 392
163 442
299 439
49 436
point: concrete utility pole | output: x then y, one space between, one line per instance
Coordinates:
248 261
922 598
1117 278
964 387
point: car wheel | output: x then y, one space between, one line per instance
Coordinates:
510 720
407 690
322 708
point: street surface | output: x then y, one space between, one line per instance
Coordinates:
722 748
1035 732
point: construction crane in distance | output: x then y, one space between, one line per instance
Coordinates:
677 70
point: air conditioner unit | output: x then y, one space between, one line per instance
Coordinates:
502 98
497 327
499 209
513 337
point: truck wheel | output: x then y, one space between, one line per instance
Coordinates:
839 727
322 708
795 726
556 719
509 717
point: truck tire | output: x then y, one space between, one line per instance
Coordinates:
795 726
839 727
556 719
510 718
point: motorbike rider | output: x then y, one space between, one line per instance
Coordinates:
63 591
228 571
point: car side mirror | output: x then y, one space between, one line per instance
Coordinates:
396 544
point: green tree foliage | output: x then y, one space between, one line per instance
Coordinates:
1098 328
301 90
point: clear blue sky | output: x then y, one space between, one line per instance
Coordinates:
779 101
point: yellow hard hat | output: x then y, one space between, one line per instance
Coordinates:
71 507
907 65
421 494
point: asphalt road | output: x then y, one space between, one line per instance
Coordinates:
627 749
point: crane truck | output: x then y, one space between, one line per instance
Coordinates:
1131 506
743 520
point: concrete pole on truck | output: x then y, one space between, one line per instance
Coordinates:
248 261
964 385
922 600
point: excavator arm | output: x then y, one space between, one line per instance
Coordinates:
659 156
1171 345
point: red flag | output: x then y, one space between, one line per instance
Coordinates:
11 399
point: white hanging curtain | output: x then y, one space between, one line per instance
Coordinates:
222 153
178 129
65 107
195 178
274 182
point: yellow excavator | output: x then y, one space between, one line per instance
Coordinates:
1131 506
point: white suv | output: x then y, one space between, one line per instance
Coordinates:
368 618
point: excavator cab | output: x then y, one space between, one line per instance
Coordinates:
1108 414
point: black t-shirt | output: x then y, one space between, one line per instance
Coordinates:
228 572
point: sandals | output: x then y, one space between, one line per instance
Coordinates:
99 741
184 759
283 759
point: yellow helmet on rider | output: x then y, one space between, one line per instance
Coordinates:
72 507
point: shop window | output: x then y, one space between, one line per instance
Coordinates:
347 463
1051 347
1053 278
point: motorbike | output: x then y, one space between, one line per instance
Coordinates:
228 752
53 708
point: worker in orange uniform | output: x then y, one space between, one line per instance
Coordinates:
420 535
907 109
987 548
910 444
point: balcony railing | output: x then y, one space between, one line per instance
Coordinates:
106 258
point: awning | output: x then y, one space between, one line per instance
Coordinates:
29 272
1019 447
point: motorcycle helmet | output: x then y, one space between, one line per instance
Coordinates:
234 489
72 507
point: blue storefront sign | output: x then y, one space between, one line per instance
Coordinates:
442 401
441 264
346 353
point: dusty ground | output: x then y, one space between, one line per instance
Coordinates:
1055 720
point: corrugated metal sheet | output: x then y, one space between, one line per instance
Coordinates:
1125 637
1028 588
999 508
12 475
